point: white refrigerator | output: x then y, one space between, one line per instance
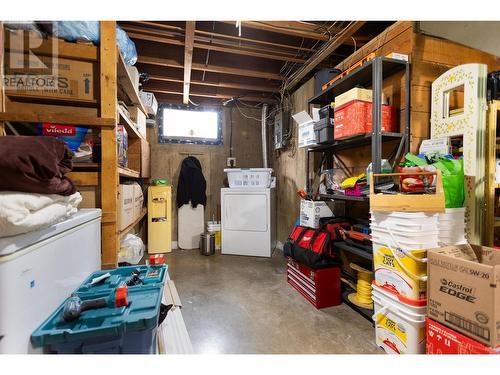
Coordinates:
39 270
248 221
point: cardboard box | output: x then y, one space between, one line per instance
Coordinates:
353 94
138 200
139 118
355 118
138 155
125 205
122 145
443 340
46 78
312 211
149 101
398 56
463 290
306 134
134 75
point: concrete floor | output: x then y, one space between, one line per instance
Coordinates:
234 304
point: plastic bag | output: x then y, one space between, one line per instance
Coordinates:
89 30
131 249
452 173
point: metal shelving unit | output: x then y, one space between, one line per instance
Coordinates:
371 74
354 250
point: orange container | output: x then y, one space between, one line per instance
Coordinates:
355 118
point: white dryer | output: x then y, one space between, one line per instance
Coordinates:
248 221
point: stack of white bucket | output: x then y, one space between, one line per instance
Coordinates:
400 240
452 226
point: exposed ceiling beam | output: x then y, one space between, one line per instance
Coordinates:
325 51
210 68
157 25
214 45
216 95
280 28
188 59
298 29
229 85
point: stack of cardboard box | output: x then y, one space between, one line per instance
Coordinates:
463 300
131 201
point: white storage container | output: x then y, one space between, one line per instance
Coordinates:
399 327
39 270
249 177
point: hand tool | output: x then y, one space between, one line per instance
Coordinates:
75 306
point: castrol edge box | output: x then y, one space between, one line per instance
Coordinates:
464 290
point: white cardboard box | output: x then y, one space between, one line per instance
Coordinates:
138 200
149 101
312 211
139 118
307 136
125 205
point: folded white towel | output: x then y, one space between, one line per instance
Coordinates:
26 212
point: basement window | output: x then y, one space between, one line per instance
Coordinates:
187 124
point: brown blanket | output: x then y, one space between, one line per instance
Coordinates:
35 165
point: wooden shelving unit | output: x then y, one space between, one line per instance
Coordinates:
126 90
127 172
129 125
113 82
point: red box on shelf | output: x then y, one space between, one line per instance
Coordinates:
355 118
320 287
444 340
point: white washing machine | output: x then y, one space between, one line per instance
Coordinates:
39 270
248 221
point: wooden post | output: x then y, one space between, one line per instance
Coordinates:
188 59
490 185
2 89
108 56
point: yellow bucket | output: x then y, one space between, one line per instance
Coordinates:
402 271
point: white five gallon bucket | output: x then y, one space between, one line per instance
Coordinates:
399 328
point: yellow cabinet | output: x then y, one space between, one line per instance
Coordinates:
159 219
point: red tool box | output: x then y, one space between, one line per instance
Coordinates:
355 118
320 287
444 340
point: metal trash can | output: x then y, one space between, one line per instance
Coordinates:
207 244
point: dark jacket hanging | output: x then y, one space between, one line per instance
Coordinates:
192 185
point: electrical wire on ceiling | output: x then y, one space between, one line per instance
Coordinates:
208 51
285 81
355 46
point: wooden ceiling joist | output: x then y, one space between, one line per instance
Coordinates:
157 26
281 27
188 59
216 95
323 53
209 68
230 85
213 45
298 29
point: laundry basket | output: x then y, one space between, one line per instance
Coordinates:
249 177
